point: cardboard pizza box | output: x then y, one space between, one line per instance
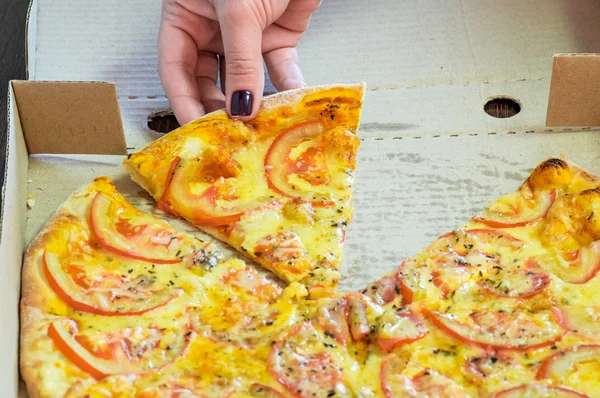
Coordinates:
430 156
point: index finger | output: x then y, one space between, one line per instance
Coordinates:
177 62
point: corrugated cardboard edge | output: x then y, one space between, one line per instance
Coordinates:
111 109
30 40
12 240
70 117
574 88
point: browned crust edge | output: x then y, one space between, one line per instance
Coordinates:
35 291
284 98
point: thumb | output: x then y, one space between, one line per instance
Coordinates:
242 36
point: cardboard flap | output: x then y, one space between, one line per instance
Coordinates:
70 117
575 91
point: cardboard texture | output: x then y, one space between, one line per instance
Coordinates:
430 156
12 244
430 66
575 85
70 117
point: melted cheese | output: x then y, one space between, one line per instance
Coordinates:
232 155
240 319
192 148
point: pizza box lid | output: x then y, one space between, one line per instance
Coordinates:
430 157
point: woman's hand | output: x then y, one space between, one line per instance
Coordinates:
199 37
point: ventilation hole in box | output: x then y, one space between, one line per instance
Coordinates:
162 122
502 107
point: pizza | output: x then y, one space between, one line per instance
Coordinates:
509 299
277 188
118 303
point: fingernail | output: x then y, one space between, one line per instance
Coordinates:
291 84
241 103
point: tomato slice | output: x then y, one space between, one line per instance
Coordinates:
522 282
248 282
347 318
303 363
104 292
385 290
188 387
561 364
580 319
513 280
518 209
478 255
538 391
409 280
261 391
126 351
216 205
357 316
131 233
492 362
499 328
427 383
308 177
395 329
430 383
162 203
392 382
450 277
578 267
331 319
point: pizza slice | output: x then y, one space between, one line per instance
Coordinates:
519 247
277 188
508 295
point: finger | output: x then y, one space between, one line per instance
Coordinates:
287 30
242 36
177 63
207 70
283 68
297 15
222 72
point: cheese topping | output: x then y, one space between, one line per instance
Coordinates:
222 174
129 307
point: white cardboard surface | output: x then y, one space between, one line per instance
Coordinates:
429 65
430 157
12 244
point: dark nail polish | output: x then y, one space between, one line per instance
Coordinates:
241 103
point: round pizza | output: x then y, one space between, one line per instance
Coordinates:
118 303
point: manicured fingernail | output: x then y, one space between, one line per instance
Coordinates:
241 103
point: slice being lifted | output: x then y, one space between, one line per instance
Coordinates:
277 188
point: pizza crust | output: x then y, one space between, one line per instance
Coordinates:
137 177
269 103
290 97
36 293
333 106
